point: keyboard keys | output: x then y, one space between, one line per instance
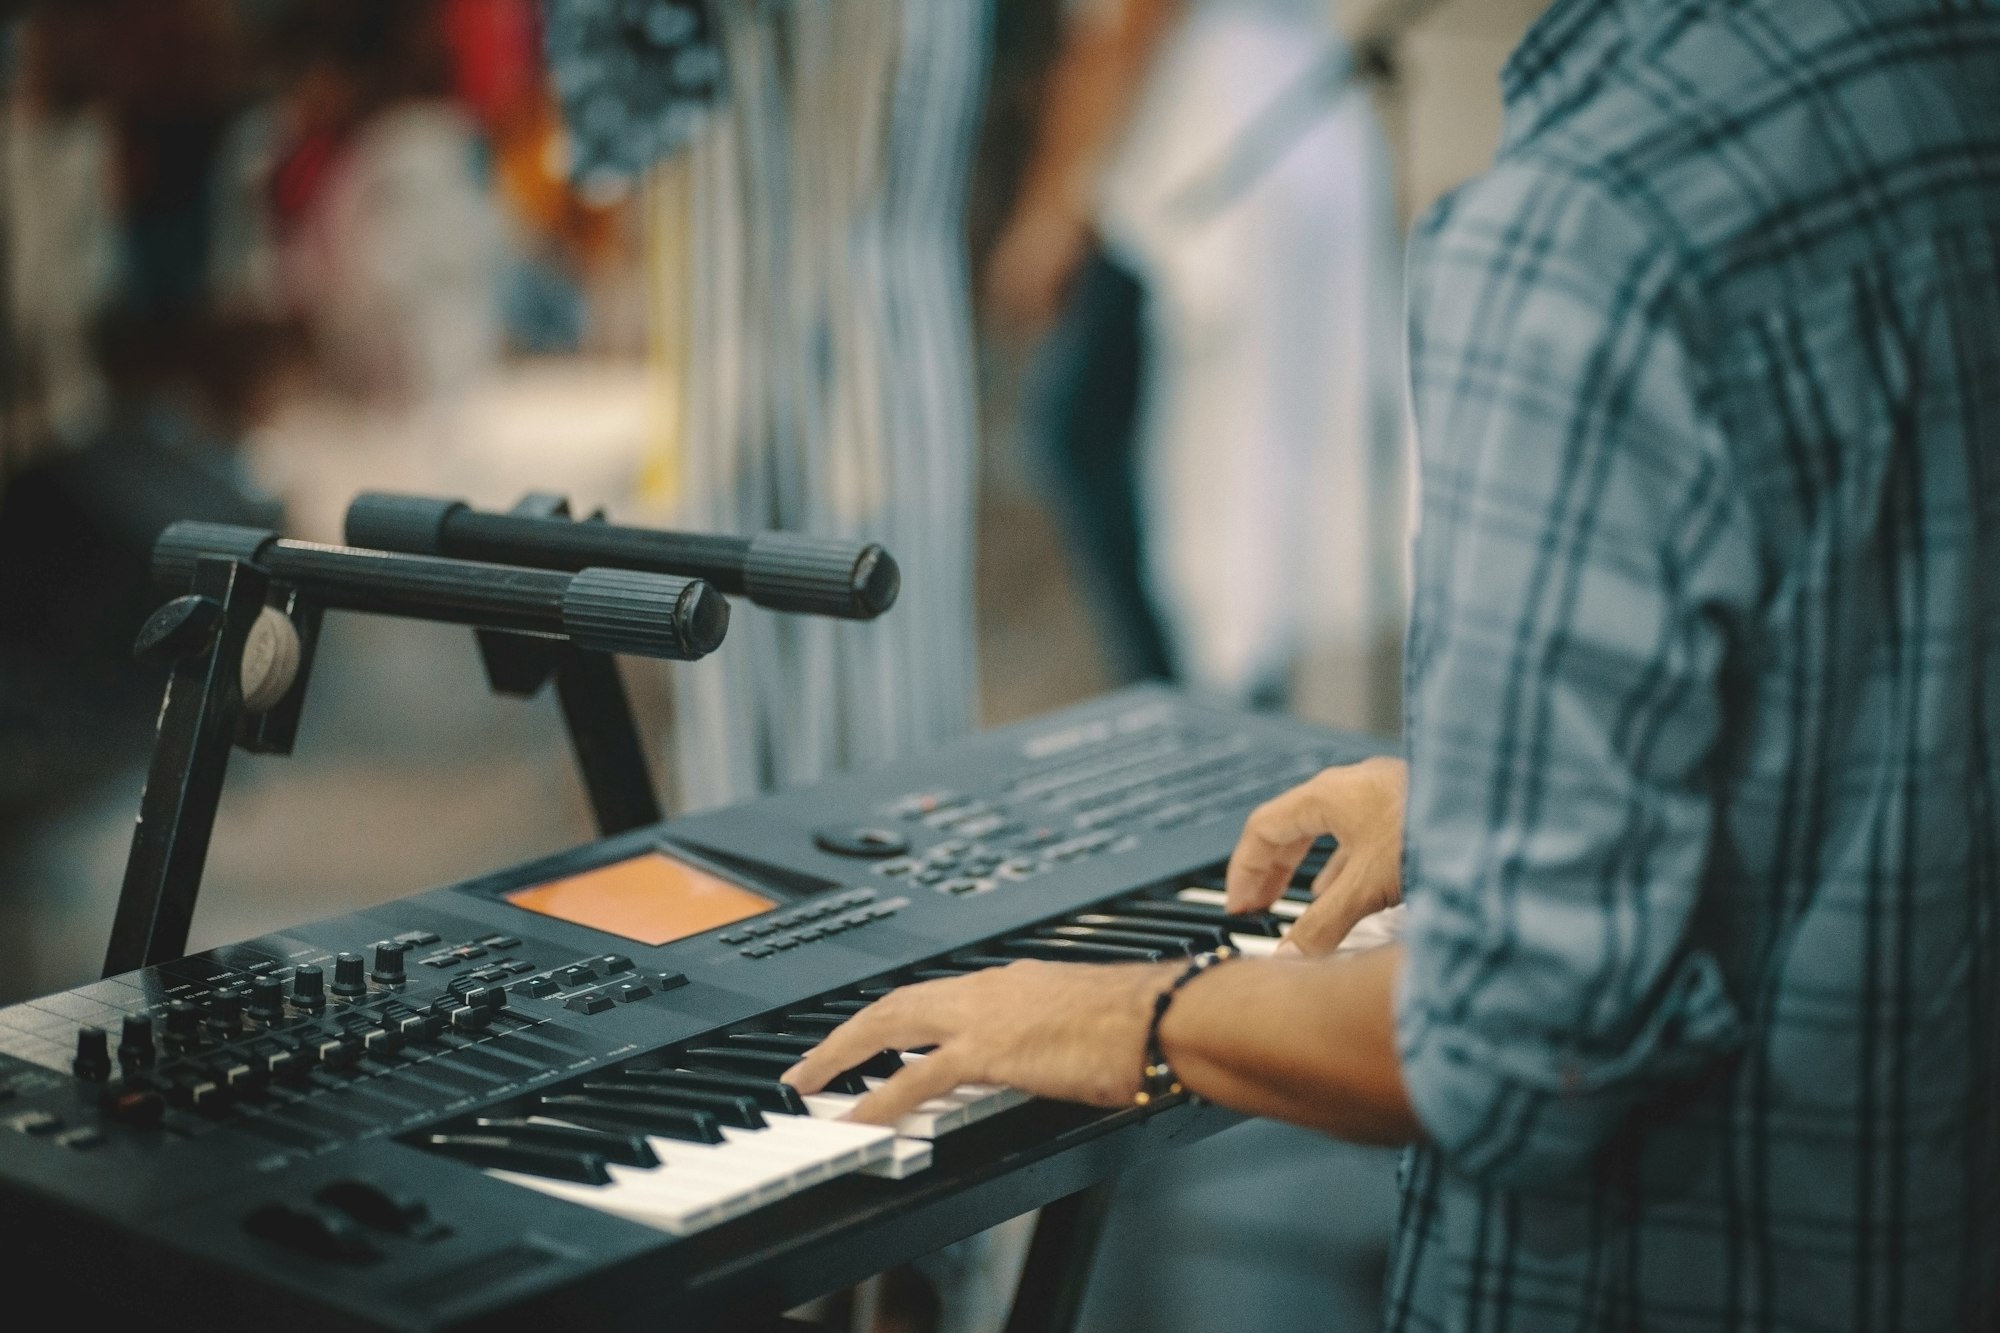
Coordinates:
768 1093
728 1109
496 1151
616 1149
768 1063
654 1119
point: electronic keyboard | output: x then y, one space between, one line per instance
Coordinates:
552 1092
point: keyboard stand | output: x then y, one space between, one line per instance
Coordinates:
1054 1156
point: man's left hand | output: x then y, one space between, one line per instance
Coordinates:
1072 1031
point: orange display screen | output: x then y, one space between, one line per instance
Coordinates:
653 898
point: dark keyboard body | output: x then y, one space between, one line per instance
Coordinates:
265 1158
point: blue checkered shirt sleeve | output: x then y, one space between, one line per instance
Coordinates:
1580 557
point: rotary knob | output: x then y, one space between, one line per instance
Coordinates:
183 1022
308 987
135 1043
93 1054
267 998
349 978
389 963
225 1012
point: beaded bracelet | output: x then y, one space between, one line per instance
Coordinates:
1157 1078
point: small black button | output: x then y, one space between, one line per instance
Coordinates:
865 841
593 1003
445 961
418 937
784 942
614 963
759 951
82 1139
538 987
489 975
735 937
35 1122
666 981
518 966
469 951
632 990
318 1232
576 975
504 942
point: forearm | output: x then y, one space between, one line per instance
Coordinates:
1310 1042
1088 98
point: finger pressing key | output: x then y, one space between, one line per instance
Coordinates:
912 1087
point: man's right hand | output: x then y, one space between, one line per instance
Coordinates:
1361 805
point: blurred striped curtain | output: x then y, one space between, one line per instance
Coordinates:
815 312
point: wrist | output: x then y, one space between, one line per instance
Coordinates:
1157 1076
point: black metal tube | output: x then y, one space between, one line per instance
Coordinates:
780 570
609 610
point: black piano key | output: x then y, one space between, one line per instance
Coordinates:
771 1063
504 1154
728 1109
849 1007
618 1149
1170 944
975 962
1250 923
1075 951
875 990
1200 936
1299 893
769 1094
881 1065
814 1021
667 1122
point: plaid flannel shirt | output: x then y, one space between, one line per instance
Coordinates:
1701 1004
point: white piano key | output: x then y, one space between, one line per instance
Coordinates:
700 1185
1284 907
906 1159
1254 946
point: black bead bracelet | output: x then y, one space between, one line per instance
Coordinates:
1157 1078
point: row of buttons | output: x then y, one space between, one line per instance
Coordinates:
580 973
831 925
817 910
462 953
605 998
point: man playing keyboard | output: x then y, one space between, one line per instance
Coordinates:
1695 1018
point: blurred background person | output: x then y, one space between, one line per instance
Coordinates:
1217 386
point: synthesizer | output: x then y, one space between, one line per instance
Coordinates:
551 1092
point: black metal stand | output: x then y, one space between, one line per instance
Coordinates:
203 634
1056 1274
594 706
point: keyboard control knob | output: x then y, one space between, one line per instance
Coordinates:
267 998
308 987
225 1012
183 1022
135 1044
93 1054
389 963
350 976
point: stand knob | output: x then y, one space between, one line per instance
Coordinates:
93 1054
389 963
308 987
349 978
135 1044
